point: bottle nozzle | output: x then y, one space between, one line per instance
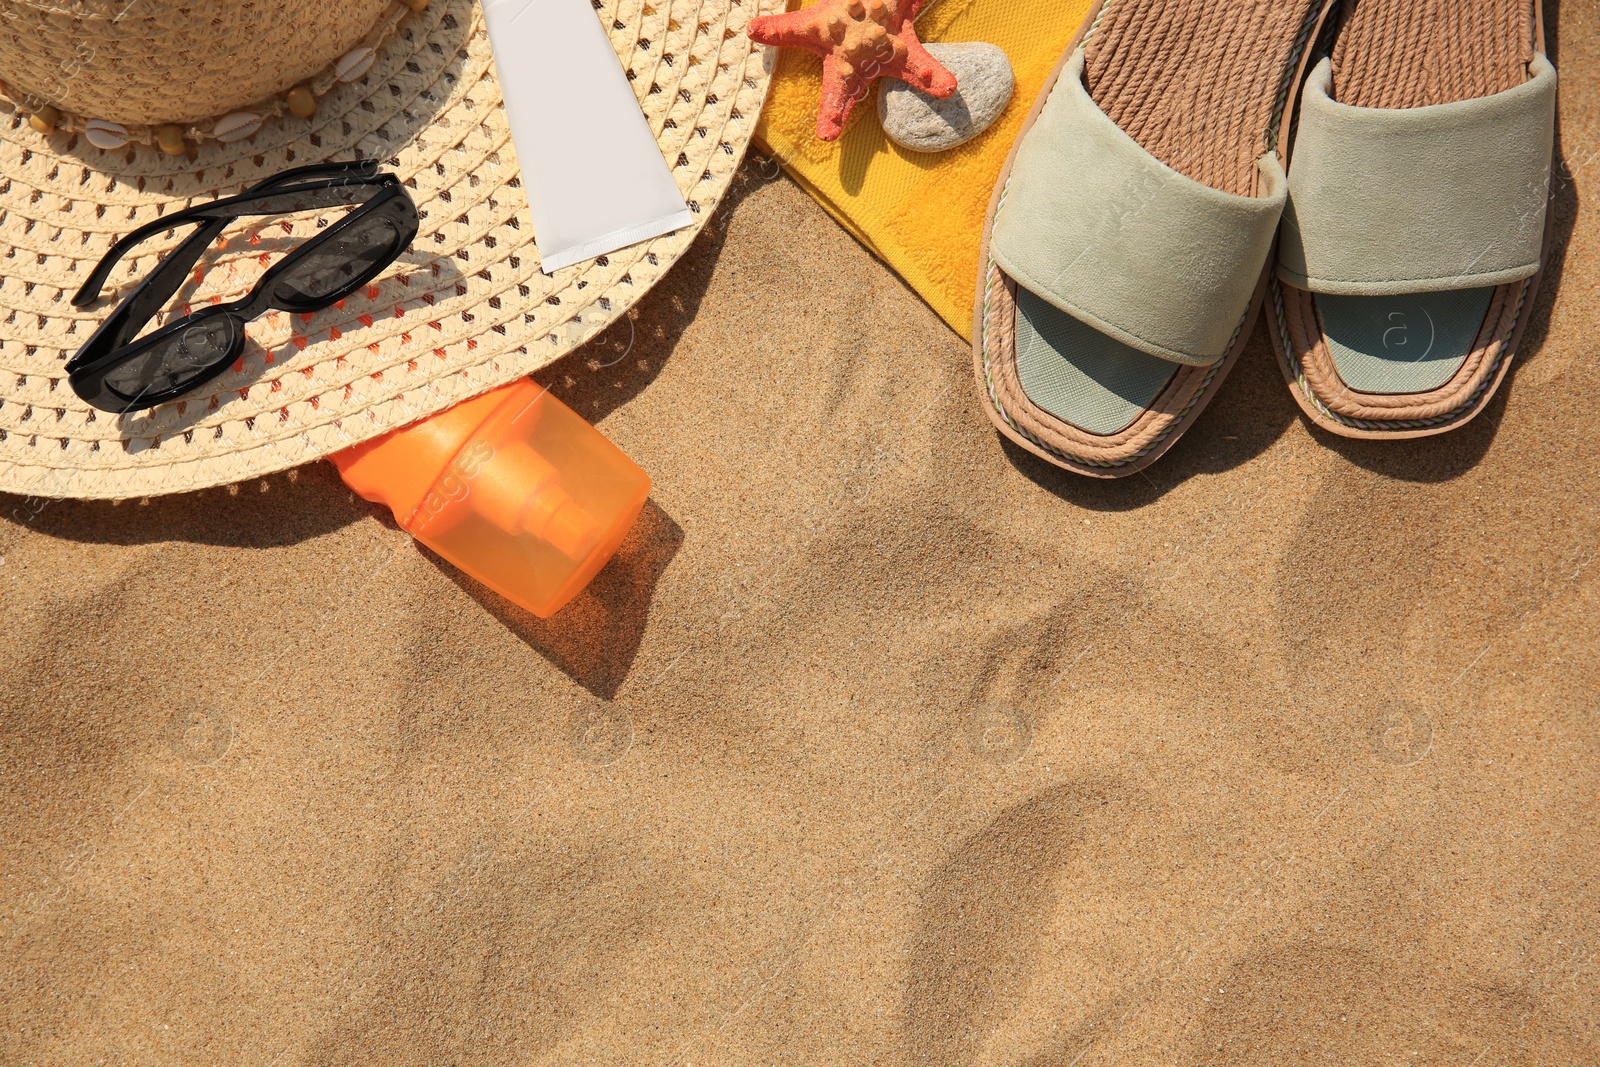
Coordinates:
559 520
521 492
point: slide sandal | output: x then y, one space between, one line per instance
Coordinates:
1417 225
1130 233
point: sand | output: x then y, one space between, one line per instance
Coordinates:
881 742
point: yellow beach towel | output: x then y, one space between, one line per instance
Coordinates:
920 213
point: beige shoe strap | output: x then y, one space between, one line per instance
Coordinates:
1418 199
1102 229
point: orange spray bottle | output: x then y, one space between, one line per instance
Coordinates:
512 487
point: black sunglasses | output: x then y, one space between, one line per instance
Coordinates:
116 373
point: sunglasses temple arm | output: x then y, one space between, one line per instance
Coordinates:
149 296
353 168
90 290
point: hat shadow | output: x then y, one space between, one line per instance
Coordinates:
595 637
251 514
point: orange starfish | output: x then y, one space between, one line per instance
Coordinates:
859 41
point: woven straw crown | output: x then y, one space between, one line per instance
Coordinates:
160 61
466 309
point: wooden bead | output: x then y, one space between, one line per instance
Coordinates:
44 120
302 102
170 140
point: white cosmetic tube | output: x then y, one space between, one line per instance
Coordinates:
593 173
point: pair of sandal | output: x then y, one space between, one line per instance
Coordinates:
1151 206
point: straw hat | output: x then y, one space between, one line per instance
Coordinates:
152 105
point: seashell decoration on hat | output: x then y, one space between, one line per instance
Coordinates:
115 112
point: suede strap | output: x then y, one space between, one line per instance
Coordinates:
1385 201
1097 226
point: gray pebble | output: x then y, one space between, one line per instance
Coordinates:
923 123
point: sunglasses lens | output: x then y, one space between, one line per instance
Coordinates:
174 362
350 257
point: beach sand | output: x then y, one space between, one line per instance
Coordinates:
881 742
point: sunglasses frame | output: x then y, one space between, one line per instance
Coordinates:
114 344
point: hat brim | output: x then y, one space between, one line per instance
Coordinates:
465 310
